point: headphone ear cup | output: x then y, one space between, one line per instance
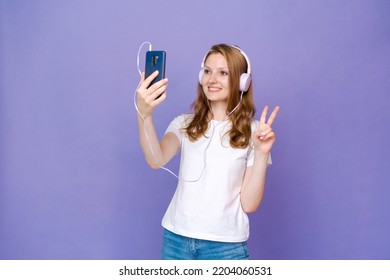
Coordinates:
200 78
245 81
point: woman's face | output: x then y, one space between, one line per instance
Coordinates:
215 80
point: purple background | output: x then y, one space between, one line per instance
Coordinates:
73 180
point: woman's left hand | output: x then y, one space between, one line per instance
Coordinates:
264 137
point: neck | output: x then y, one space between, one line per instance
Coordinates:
218 111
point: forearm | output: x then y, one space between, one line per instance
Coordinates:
149 142
253 189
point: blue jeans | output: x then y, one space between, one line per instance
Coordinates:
177 247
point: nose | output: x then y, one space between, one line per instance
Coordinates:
213 78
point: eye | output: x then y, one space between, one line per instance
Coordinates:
224 73
206 71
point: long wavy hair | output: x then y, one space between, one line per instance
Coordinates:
240 132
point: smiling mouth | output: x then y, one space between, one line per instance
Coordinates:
213 89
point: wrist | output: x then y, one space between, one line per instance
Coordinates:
260 155
144 115
145 118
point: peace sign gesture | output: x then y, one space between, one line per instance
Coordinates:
264 137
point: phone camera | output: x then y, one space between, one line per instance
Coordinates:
155 58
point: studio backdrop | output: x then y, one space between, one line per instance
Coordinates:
73 180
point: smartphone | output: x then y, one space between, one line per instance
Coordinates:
155 60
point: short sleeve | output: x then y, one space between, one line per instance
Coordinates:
177 126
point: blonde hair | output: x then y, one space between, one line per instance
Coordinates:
241 118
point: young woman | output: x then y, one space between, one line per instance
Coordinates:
224 158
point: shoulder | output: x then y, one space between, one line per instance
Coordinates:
183 120
178 125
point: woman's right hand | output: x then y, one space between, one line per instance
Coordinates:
149 98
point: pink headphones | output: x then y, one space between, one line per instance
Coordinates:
245 78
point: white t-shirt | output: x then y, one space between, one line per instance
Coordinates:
206 204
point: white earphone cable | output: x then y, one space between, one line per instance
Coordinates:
145 128
235 108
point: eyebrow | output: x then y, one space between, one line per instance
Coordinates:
219 68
